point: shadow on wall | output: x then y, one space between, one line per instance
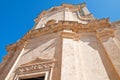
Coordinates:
97 45
35 44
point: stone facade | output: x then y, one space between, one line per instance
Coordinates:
66 43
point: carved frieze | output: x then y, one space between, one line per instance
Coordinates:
36 65
35 68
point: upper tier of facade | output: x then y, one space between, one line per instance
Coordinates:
66 12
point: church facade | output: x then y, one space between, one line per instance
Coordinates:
66 43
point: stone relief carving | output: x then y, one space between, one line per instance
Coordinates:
35 66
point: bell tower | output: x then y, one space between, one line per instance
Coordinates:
66 43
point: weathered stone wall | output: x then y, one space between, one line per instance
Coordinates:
58 15
43 47
114 52
112 46
81 59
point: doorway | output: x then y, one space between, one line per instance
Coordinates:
37 78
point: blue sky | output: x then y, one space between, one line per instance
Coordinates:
17 16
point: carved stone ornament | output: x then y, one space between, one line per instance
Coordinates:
35 66
106 33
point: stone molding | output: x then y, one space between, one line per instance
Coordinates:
91 26
88 17
70 6
106 33
65 7
37 65
52 26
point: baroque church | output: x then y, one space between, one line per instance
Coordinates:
66 43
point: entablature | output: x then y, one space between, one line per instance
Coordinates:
52 26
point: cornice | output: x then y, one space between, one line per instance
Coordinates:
116 23
52 27
106 33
